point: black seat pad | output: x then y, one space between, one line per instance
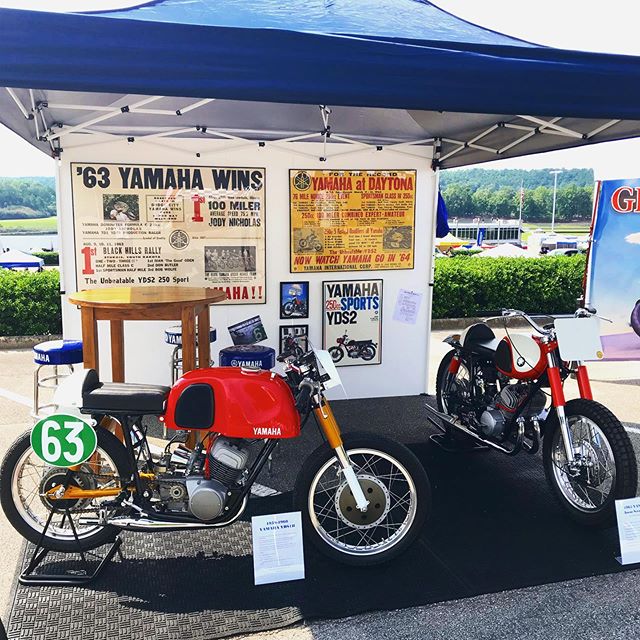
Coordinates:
480 339
122 397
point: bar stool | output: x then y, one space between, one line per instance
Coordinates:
54 353
173 336
248 355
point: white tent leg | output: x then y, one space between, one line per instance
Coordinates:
431 262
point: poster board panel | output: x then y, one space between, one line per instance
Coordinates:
352 321
196 226
351 220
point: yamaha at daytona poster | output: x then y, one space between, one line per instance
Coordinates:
352 321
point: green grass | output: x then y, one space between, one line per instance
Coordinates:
26 226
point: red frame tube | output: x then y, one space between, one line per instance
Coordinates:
555 382
454 365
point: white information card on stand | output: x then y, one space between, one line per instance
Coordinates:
278 554
628 513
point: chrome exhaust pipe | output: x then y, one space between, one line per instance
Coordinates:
455 424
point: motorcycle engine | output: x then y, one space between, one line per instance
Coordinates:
202 497
494 419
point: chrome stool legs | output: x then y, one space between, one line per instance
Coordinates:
48 382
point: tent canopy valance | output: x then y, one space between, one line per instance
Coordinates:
379 73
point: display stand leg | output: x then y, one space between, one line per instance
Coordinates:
81 577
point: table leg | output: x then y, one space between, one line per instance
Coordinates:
188 339
89 338
204 346
117 350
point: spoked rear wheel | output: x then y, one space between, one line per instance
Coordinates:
393 481
452 388
26 480
604 469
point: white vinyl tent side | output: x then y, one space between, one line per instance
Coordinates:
404 367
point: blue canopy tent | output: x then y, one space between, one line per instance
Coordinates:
393 72
14 259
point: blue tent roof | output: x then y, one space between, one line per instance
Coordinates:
391 70
401 54
388 19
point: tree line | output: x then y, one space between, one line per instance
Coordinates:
33 197
471 193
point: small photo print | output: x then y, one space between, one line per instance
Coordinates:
230 259
294 339
397 238
121 207
248 331
294 300
308 240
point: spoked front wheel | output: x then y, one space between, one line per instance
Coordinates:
393 481
604 468
27 482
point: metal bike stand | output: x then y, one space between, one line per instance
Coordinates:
78 577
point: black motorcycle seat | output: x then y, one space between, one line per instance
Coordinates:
125 398
479 338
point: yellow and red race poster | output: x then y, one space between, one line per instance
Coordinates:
170 225
352 220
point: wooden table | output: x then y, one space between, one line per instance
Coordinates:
146 303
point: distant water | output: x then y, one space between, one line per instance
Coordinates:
28 242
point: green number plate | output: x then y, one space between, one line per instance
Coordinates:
63 441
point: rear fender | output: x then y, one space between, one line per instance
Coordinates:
453 340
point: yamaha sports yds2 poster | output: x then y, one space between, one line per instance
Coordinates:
613 286
352 321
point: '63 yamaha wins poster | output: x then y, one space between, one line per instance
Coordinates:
156 225
352 321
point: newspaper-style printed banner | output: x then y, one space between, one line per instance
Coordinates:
139 225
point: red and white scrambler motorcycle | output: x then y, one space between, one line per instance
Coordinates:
494 390
363 498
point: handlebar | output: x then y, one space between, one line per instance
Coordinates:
514 313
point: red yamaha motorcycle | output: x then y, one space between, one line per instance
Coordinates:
363 498
494 391
365 349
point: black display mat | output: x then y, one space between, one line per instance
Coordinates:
494 526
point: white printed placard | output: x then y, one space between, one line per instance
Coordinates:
407 306
628 515
278 554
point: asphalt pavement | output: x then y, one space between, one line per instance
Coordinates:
597 607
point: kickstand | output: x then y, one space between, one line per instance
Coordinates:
77 577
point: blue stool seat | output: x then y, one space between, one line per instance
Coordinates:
173 335
249 355
57 352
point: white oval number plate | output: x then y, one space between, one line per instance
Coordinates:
63 441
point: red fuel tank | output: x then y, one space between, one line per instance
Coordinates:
236 402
